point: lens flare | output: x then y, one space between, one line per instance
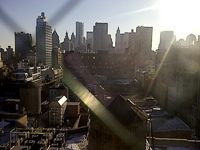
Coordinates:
97 108
179 15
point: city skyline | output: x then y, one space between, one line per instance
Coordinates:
144 12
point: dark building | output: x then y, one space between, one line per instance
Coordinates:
56 57
10 53
23 43
58 90
1 50
55 39
73 41
79 36
65 45
43 40
89 42
102 137
30 96
177 84
100 37
116 124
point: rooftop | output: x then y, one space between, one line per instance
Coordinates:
62 100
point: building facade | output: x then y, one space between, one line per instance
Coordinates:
100 35
89 42
57 111
23 43
55 39
167 39
43 40
144 38
73 41
56 57
10 53
121 41
66 43
79 36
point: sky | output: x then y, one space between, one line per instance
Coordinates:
163 15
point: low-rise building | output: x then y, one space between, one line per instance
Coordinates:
57 111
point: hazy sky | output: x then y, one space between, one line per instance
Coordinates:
127 14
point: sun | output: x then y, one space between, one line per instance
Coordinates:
181 15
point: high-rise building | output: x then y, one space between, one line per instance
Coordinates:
100 37
10 52
144 38
89 42
79 36
56 57
2 53
23 43
117 40
65 43
55 39
1 50
132 42
121 41
167 39
109 43
73 41
1 62
43 40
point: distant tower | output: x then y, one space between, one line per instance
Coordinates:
23 43
73 41
117 40
167 39
10 52
191 39
79 35
43 40
144 39
100 35
66 42
56 57
55 39
89 42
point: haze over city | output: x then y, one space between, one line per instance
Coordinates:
176 15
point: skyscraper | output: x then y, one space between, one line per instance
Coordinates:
23 43
65 43
144 39
167 38
100 35
1 62
43 40
73 41
55 39
121 41
89 42
79 36
56 57
10 52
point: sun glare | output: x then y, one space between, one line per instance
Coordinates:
180 15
